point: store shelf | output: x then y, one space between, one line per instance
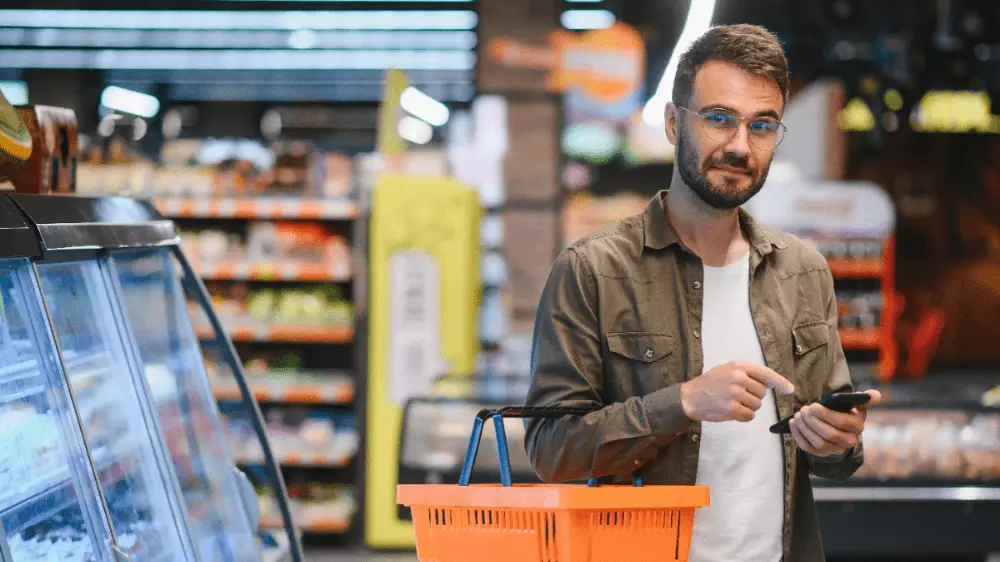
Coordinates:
291 394
285 333
55 491
326 525
859 339
269 271
856 269
259 208
301 459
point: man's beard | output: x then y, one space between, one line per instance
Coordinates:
723 197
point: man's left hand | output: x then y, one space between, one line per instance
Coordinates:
823 432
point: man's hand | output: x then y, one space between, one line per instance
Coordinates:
731 391
823 432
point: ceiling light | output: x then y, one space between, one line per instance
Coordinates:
415 130
129 101
587 19
699 20
423 106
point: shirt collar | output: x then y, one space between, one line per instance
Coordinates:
660 234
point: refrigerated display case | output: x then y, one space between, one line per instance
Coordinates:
111 444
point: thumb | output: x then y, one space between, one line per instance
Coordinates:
876 399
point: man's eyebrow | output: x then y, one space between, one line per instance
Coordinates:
762 113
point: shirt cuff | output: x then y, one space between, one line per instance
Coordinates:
665 413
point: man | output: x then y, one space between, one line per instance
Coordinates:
677 322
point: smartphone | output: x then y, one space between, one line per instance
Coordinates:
838 401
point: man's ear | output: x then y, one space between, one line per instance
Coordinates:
670 123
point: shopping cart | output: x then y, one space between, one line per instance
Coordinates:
548 522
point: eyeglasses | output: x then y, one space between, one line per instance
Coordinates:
766 133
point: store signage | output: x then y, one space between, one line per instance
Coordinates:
859 209
424 274
608 65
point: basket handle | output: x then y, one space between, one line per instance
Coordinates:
502 451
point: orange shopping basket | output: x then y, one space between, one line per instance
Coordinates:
548 522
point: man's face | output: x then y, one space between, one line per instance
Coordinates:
725 174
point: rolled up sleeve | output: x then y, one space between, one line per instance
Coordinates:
568 370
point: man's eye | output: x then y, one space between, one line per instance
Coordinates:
763 126
720 119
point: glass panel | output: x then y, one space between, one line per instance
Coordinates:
175 370
109 403
49 504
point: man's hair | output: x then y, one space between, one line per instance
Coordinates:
750 47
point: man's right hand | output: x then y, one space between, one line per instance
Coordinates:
731 391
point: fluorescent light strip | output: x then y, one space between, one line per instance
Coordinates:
375 1
237 59
699 20
244 20
584 1
587 19
264 39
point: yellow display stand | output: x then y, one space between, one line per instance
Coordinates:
424 293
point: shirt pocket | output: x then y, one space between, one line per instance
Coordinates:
643 362
811 348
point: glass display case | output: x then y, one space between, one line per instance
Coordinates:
111 444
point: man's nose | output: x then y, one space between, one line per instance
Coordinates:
740 143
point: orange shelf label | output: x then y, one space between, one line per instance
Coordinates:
304 394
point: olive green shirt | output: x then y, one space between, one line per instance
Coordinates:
618 328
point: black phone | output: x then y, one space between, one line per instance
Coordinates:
838 401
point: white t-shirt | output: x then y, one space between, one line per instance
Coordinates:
742 463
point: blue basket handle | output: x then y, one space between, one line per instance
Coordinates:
497 415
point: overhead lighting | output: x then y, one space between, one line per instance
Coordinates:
587 19
423 106
241 59
699 20
415 130
856 116
584 1
16 91
241 19
129 101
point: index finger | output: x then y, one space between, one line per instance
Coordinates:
769 378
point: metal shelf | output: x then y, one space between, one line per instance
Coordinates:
53 493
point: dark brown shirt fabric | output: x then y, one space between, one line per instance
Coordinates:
618 328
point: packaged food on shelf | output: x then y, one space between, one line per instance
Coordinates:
315 440
949 445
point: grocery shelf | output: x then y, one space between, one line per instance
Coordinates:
55 491
302 458
258 208
234 270
286 333
856 269
860 339
331 525
291 394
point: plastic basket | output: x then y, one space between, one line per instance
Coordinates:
548 523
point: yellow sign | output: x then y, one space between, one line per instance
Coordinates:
424 301
608 64
389 141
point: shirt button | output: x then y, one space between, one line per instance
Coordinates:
695 437
638 462
696 334
649 354
696 285
798 349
